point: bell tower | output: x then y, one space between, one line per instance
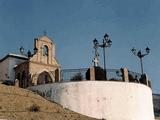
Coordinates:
44 50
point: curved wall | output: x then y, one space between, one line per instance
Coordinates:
103 99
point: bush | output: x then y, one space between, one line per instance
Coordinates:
34 108
77 77
8 82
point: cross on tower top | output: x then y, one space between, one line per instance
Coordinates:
45 33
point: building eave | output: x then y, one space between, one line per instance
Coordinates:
23 57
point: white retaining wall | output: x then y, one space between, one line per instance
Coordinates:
102 99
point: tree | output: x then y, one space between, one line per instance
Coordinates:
77 77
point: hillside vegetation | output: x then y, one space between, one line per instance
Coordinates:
21 104
156 102
157 118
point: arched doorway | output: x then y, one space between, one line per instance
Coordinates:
23 82
44 78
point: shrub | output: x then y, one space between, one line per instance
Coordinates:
77 77
34 108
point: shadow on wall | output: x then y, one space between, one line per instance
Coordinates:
46 94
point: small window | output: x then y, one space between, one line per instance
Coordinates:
45 50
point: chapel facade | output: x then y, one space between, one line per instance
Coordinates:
41 67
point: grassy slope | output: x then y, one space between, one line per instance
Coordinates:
16 104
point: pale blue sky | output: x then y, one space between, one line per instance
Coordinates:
73 24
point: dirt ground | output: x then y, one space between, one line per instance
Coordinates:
21 104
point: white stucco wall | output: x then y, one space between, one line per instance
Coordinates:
7 68
103 99
4 69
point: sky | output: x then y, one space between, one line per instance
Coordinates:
74 24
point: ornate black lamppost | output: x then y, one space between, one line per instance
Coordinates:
21 49
140 55
106 43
